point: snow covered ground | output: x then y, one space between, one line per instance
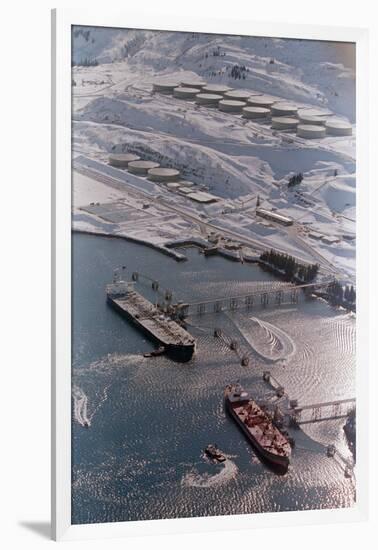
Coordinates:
235 159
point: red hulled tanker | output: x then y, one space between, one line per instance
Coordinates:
258 427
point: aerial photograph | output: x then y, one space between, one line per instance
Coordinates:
213 275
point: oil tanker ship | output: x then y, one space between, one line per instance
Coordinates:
272 446
178 344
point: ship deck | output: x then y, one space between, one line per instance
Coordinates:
145 313
262 429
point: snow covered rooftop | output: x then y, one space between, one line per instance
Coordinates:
201 196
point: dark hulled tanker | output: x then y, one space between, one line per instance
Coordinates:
178 344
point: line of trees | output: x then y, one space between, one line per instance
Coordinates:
86 62
340 294
238 72
295 180
290 267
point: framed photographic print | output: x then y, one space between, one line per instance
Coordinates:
209 297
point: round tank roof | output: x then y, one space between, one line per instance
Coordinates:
311 131
242 95
284 122
255 112
182 91
211 99
261 101
216 88
311 119
165 85
142 166
193 83
283 108
313 112
163 174
338 127
122 159
231 105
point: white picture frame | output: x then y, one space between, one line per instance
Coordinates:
62 20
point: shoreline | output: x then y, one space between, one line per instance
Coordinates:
166 251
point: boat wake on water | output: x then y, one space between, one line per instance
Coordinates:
80 406
269 342
225 475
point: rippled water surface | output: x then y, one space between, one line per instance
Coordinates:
150 419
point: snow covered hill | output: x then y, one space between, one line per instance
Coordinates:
116 110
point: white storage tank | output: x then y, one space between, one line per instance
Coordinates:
261 101
121 160
163 174
238 95
284 123
311 131
231 105
193 83
216 89
311 119
185 93
338 128
141 167
255 112
164 86
283 109
211 100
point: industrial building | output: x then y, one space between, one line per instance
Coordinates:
173 185
164 86
231 105
211 100
273 216
185 93
193 83
338 128
163 174
121 160
141 167
255 112
311 131
261 101
185 190
216 89
186 183
283 109
201 196
284 123
238 95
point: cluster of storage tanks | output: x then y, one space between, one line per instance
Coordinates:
154 172
254 105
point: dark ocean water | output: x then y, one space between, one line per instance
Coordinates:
142 457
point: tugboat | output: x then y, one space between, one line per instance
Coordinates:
214 453
155 353
269 442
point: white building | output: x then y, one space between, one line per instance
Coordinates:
273 216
